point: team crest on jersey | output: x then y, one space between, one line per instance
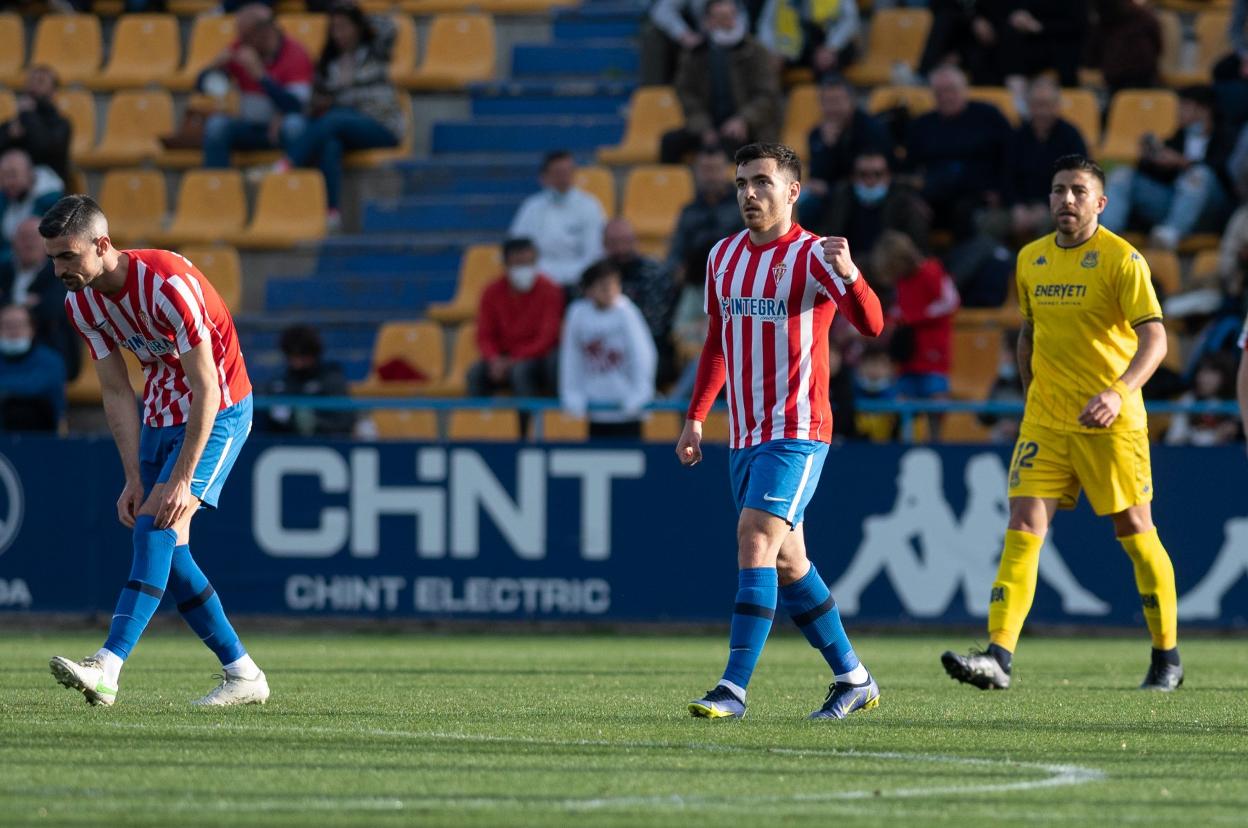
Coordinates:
778 271
1089 259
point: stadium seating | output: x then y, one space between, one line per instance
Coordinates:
489 6
653 198
459 51
1212 43
134 123
483 424
403 51
211 206
963 427
896 36
1164 265
134 201
418 344
974 362
220 263
801 114
1134 113
85 388
463 354
70 42
715 428
999 97
210 35
1080 107
662 427
8 104
600 183
290 209
1204 268
480 265
309 29
914 99
191 8
146 49
558 427
78 106
405 424
12 49
652 111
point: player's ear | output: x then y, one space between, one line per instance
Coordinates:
1101 201
795 190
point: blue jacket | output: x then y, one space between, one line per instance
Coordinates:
40 373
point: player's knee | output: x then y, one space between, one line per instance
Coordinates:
1132 522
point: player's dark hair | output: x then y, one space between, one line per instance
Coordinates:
553 156
598 271
301 340
784 156
1080 163
73 215
517 245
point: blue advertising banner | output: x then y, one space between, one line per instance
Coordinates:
902 533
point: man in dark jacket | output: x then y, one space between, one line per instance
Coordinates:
1033 148
39 127
711 215
307 374
863 207
27 279
843 133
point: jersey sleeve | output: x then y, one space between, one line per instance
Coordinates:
1136 296
179 307
857 301
99 342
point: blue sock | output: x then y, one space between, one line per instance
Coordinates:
201 607
751 621
149 572
814 611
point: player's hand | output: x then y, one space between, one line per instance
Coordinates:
836 254
129 503
1101 410
176 502
689 446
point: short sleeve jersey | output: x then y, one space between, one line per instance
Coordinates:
166 308
1084 304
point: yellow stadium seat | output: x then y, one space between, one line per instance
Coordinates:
459 51
483 425
896 36
134 201
1174 351
372 158
1164 265
135 121
12 49
963 427
419 344
976 352
290 209
405 424
8 105
221 265
558 427
1178 66
403 51
309 29
1132 114
801 114
85 388
211 206
146 49
999 97
1080 107
662 427
653 198
600 183
463 355
1205 268
480 265
652 111
78 106
1006 316
715 429
1196 242
70 42
914 99
211 34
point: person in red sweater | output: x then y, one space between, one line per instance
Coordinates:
517 328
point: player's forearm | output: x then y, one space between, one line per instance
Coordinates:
122 415
1148 355
1025 348
862 305
205 401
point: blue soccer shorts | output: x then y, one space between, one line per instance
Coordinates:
159 448
778 477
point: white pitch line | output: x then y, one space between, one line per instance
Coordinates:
1058 775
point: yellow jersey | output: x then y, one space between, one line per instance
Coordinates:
1083 304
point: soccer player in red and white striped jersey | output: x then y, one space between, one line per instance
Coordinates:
197 411
772 291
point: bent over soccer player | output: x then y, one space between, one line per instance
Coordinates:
771 293
1091 337
196 416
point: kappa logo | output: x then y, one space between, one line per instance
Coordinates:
11 509
778 271
1040 261
1090 259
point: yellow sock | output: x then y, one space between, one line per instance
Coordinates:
1014 589
1154 575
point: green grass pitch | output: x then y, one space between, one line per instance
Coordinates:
403 729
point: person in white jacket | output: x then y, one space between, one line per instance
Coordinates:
564 222
606 357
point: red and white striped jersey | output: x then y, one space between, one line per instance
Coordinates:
770 308
166 308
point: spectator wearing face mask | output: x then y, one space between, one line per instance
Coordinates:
871 202
32 377
562 220
517 327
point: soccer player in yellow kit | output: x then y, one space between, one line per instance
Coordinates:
1091 336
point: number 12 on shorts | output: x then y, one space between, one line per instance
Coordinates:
1024 453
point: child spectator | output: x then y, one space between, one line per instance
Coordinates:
307 374
1214 382
874 379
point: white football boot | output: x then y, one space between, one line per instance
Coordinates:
235 689
86 676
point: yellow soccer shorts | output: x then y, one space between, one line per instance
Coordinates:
1112 468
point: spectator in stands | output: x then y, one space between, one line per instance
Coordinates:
273 75
39 127
689 320
1178 186
712 215
1214 382
32 376
517 327
812 34
1230 74
958 153
1039 35
606 357
841 396
843 133
564 221
647 284
982 269
870 203
964 33
875 380
307 374
25 191
1124 44
354 105
668 28
27 279
727 86
1034 146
